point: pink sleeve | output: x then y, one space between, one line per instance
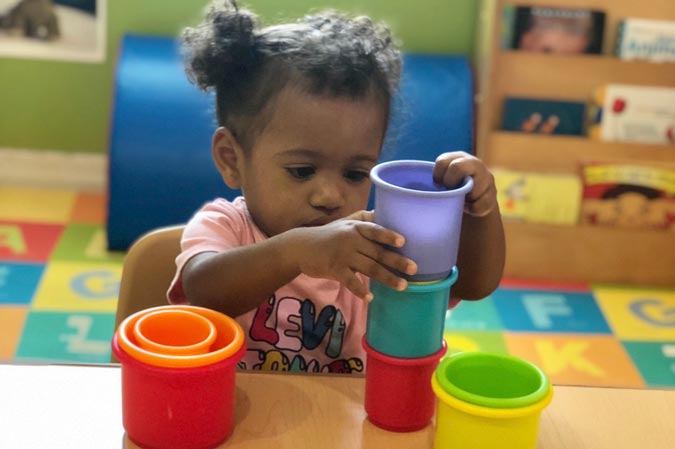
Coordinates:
215 228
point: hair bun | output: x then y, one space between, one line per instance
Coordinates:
222 46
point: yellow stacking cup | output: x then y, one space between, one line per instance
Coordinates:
488 401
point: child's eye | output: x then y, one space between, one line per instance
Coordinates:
356 175
301 172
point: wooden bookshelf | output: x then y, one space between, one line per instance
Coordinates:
563 154
580 252
589 253
571 78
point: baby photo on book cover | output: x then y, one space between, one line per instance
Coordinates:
553 30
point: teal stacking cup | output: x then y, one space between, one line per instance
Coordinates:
409 323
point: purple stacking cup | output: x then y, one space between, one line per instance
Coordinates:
428 215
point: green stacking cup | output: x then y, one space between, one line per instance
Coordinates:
492 380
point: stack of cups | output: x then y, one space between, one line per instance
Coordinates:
404 332
178 376
488 401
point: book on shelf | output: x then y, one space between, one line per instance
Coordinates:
628 196
538 197
648 40
552 29
541 116
628 113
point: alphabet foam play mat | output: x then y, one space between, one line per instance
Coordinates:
59 285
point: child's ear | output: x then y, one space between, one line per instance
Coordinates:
228 157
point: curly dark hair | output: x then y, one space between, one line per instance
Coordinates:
247 65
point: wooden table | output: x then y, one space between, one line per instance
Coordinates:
72 407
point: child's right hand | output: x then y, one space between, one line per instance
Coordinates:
348 246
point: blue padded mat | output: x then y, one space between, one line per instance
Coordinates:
161 169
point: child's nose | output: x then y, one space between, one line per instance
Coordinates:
327 195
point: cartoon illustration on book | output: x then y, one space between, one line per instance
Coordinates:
628 196
543 116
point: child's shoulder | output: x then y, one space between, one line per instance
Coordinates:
221 217
224 206
222 211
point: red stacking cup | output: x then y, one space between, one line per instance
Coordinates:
399 397
178 401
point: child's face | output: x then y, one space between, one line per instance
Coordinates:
311 163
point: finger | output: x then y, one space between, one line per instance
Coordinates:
483 205
382 256
458 170
349 279
374 270
369 215
362 215
442 163
481 187
380 234
484 184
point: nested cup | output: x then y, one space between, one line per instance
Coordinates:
488 400
176 399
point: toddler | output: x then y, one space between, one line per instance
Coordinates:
302 110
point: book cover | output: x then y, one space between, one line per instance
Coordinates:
543 116
647 40
553 30
628 196
639 114
538 197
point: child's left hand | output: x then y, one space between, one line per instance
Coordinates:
451 168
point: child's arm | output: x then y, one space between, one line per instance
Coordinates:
240 279
481 249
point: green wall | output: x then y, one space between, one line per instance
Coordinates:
66 106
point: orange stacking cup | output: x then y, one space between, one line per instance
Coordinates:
228 339
178 332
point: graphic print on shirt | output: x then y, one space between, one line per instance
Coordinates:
291 325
